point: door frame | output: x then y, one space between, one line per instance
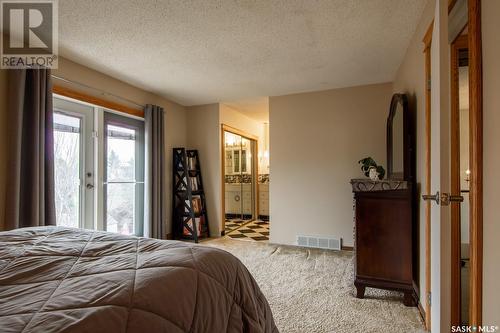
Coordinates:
255 167
460 42
474 43
476 160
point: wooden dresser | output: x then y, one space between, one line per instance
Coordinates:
384 237
386 227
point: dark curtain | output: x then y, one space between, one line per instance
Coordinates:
30 163
154 221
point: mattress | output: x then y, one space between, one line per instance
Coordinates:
55 279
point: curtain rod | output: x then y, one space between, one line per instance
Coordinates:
102 92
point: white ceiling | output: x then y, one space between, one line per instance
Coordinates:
199 51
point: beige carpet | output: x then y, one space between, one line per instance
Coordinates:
312 290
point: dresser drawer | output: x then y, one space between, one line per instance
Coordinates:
385 242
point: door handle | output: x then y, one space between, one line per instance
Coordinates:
430 197
456 198
447 198
443 198
90 186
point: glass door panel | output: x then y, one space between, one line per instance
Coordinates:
463 86
239 180
247 179
67 169
123 174
232 181
73 163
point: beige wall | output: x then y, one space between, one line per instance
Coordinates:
3 142
234 118
316 141
410 79
491 121
204 135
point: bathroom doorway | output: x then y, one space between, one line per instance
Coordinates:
239 166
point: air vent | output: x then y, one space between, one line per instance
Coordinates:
319 242
301 241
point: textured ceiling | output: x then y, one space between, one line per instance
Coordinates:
197 52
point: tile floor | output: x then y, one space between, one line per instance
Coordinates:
252 231
232 224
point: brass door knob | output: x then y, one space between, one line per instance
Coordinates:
443 198
430 197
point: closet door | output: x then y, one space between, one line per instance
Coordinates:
247 186
233 195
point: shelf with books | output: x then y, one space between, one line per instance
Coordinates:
189 213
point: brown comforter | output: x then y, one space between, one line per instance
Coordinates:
56 279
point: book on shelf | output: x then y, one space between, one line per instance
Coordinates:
191 162
194 183
199 222
196 204
197 207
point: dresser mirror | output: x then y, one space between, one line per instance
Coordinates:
398 145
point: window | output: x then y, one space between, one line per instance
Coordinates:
99 168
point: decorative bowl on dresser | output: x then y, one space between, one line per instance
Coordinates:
386 230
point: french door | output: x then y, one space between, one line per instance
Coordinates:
123 174
99 168
74 164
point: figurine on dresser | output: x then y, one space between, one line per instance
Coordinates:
386 230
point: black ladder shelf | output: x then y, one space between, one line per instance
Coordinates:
189 208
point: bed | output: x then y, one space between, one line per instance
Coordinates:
55 279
